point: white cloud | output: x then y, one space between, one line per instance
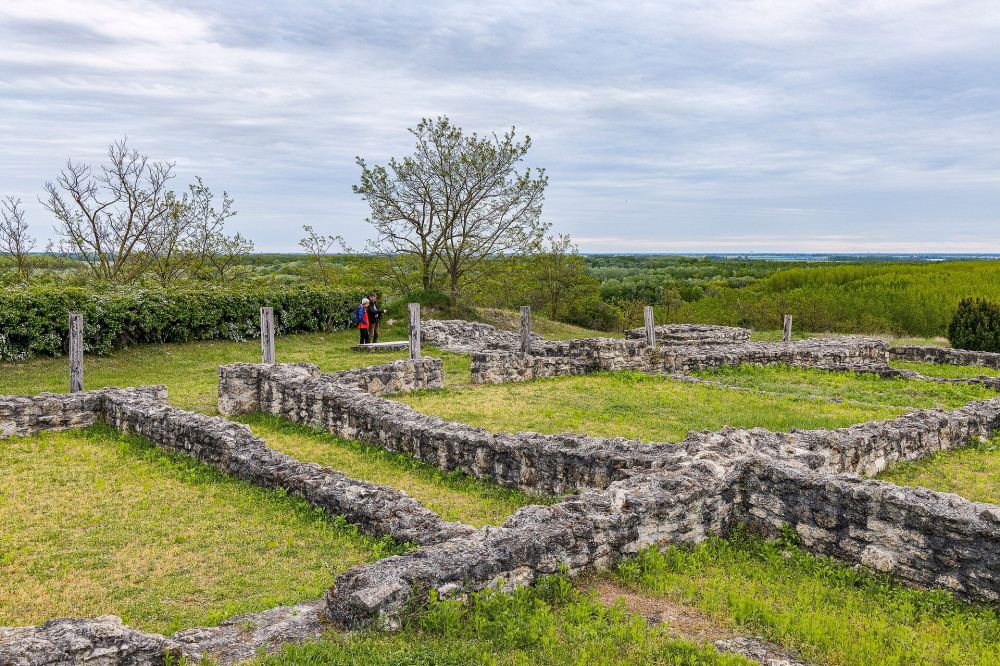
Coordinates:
675 123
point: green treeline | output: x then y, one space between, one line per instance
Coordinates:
916 299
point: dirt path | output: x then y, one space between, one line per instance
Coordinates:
691 624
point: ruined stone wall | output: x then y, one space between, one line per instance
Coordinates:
548 464
239 383
931 354
925 538
578 357
456 335
26 415
692 334
594 528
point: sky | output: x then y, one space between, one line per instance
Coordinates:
732 127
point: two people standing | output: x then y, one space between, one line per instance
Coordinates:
368 316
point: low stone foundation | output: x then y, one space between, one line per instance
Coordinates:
692 334
456 335
924 538
580 357
931 354
27 415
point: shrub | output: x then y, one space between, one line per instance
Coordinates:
34 320
975 325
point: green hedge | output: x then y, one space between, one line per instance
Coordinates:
34 320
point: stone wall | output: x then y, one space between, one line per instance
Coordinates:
693 334
579 357
594 528
548 464
631 494
239 383
709 483
924 538
27 415
931 354
457 335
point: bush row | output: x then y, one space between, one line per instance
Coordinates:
34 320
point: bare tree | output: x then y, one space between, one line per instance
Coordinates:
317 247
205 245
15 243
228 256
458 203
110 217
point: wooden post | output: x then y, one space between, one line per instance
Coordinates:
787 333
526 329
267 335
414 310
647 315
75 353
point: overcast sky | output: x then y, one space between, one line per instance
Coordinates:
739 126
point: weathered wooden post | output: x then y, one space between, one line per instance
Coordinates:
267 335
414 310
75 352
647 315
787 333
526 329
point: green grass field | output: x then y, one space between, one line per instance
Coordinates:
826 612
973 472
628 404
189 370
95 522
859 387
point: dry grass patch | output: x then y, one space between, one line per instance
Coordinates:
95 522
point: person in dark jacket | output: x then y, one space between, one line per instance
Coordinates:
363 321
374 316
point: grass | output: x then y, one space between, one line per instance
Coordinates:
454 496
862 387
94 522
630 404
972 472
945 370
828 612
549 624
892 340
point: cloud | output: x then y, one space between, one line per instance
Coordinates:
680 124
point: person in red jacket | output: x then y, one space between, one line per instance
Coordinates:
362 317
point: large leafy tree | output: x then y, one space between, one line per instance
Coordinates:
457 206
